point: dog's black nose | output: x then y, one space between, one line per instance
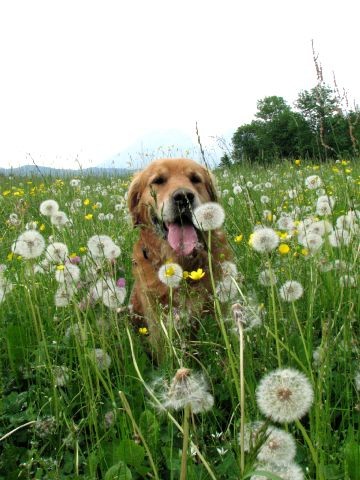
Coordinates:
183 198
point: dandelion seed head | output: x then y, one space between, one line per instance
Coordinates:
284 395
49 207
170 274
29 244
208 216
264 240
291 291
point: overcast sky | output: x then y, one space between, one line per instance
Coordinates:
85 79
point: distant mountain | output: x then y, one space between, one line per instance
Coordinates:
35 170
155 144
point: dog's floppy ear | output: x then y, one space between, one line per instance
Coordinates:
133 198
211 187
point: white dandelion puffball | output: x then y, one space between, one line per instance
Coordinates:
29 244
49 207
264 240
97 244
267 278
63 295
208 216
59 219
170 274
113 299
100 358
187 389
111 252
291 291
56 252
313 182
277 447
312 241
226 290
284 395
69 274
285 471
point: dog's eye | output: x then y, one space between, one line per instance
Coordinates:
195 178
159 180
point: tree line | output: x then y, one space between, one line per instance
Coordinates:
316 128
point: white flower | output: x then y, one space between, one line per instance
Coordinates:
267 278
101 358
63 295
97 245
284 395
49 207
74 183
113 299
186 389
277 446
69 274
264 199
29 244
339 237
59 219
56 252
313 182
111 251
320 227
208 216
237 189
312 241
264 240
285 222
170 274
291 291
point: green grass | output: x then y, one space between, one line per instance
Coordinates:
62 415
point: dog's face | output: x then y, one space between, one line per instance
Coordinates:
165 194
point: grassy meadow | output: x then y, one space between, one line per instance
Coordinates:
268 389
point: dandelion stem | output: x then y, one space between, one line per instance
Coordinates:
242 397
185 444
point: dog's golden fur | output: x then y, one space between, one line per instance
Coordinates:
152 206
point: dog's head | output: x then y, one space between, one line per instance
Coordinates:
164 196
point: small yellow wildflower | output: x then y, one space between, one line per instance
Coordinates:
86 201
269 217
305 252
10 256
348 170
83 249
73 255
60 267
89 216
42 227
250 242
297 162
198 275
284 248
344 162
238 238
335 169
143 331
6 193
283 235
185 274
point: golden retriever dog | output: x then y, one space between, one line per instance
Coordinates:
161 199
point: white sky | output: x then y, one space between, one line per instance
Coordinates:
84 79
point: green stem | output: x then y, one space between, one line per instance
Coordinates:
185 444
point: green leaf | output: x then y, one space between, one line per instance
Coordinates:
150 428
118 472
352 459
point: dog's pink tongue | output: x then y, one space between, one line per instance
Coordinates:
182 238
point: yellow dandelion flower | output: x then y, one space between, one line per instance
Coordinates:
89 216
297 162
305 252
143 331
344 162
284 248
170 271
348 170
269 217
198 275
6 193
283 235
73 255
86 201
42 227
335 169
60 267
82 249
185 274
238 238
10 256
